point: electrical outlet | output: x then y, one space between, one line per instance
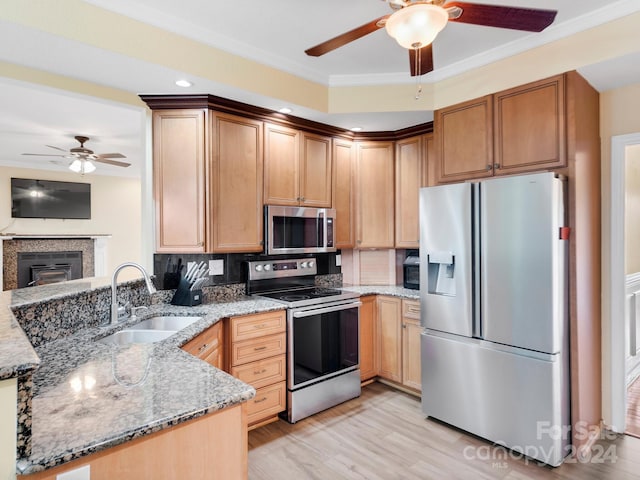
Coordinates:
216 267
82 473
338 260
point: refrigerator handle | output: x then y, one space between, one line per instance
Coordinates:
633 318
476 267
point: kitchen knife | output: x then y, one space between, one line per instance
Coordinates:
190 269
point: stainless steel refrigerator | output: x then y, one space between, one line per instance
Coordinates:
493 290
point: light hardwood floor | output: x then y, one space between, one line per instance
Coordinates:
633 408
382 435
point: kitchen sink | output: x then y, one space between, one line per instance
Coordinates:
125 337
150 330
165 323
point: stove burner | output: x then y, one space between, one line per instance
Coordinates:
294 297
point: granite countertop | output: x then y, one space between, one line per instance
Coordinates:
89 396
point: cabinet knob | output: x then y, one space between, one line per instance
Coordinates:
489 167
496 165
302 199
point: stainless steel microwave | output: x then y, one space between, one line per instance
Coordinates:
298 230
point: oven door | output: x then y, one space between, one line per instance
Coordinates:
323 342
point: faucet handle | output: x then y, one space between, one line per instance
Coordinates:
122 310
135 310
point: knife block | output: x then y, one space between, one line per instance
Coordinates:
185 296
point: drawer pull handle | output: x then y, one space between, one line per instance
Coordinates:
262 325
260 348
203 348
260 400
258 372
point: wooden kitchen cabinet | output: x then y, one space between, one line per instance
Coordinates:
529 127
297 168
342 192
464 140
208 346
179 165
411 331
207 182
375 195
389 329
411 169
257 355
235 182
368 350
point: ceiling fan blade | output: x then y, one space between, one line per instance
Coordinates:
44 154
57 148
424 63
347 37
111 162
111 155
527 19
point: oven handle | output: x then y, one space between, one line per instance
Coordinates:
319 311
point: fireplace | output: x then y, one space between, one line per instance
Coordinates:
41 268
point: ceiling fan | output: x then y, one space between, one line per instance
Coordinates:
83 158
414 24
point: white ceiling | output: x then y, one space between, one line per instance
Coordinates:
275 33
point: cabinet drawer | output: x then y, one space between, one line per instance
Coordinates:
268 401
253 326
411 309
206 342
263 372
257 349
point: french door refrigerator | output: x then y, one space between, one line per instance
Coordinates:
493 290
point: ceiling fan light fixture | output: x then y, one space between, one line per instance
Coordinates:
416 25
82 166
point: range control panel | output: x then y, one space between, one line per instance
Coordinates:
265 269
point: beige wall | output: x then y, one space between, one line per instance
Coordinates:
8 402
632 210
115 210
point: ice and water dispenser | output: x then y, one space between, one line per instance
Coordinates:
441 271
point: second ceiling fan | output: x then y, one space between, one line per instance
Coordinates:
415 23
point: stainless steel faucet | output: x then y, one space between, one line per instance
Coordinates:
114 297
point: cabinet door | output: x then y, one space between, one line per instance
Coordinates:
375 195
368 368
529 128
236 184
343 177
411 331
428 161
464 140
315 171
281 165
179 146
389 338
208 346
408 182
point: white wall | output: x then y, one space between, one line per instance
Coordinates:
115 210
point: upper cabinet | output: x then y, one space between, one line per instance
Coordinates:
207 182
529 127
375 195
179 157
518 130
411 173
297 167
342 192
236 184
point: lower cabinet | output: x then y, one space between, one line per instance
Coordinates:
257 356
398 331
208 346
368 350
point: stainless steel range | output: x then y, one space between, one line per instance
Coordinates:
322 334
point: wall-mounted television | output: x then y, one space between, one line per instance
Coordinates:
50 199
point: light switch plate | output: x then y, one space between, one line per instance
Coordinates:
216 267
338 260
82 473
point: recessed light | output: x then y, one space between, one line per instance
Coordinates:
356 129
285 110
183 83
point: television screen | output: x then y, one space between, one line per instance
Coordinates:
49 199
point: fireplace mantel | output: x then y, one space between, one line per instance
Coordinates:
96 268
